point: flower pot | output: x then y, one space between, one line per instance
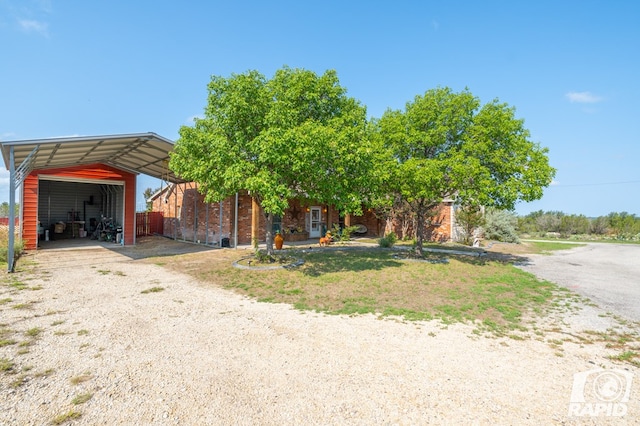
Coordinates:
278 240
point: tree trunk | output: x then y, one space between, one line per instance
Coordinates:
419 221
388 225
405 227
269 232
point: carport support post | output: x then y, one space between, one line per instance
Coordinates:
12 210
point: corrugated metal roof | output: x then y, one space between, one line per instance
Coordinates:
146 153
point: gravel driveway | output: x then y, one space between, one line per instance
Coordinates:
196 354
609 274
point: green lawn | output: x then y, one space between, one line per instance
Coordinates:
491 293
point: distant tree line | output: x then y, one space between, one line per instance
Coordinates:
623 226
4 209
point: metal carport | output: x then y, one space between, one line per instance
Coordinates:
146 153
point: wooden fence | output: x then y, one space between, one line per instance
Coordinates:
149 223
5 221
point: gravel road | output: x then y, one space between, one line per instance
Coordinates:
196 354
609 274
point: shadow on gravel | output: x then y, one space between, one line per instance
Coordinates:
145 247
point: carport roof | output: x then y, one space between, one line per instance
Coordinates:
146 153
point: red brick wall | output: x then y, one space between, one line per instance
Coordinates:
191 224
188 217
437 227
375 227
244 219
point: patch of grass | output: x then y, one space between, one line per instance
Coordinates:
45 373
33 332
76 380
18 381
549 246
489 292
626 356
18 285
28 305
7 342
66 417
152 290
82 398
6 300
83 332
6 365
58 322
103 271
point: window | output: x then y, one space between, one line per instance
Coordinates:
277 224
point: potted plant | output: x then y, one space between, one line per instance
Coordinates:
278 240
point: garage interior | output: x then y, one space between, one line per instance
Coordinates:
79 209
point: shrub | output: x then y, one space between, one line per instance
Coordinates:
18 244
343 234
388 240
501 225
470 219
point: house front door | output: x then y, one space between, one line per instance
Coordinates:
315 228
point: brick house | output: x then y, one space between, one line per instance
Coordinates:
237 220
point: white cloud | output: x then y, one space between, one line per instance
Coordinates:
435 25
583 97
553 182
31 26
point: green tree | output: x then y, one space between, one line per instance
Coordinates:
147 195
446 145
4 209
296 135
624 224
574 225
599 225
470 218
528 224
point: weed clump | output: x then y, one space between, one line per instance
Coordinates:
388 240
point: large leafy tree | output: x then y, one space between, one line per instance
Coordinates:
447 145
296 135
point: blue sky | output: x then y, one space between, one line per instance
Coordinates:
570 68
